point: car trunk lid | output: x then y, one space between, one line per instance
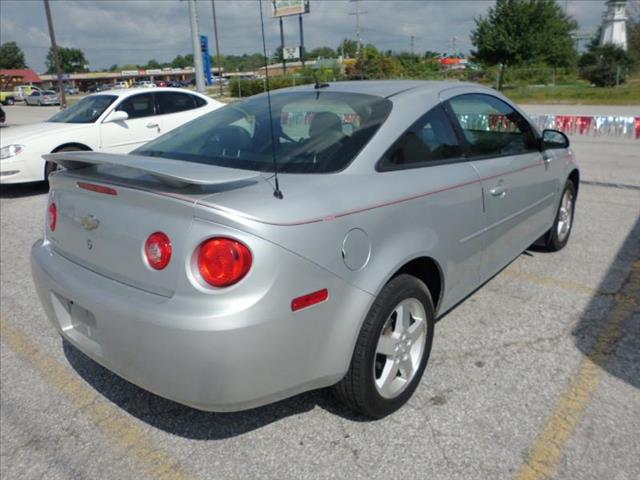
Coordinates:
106 211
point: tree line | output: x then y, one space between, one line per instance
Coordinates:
512 35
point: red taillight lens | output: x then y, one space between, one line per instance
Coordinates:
223 261
52 212
309 299
158 250
97 188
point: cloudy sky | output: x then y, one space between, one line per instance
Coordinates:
134 31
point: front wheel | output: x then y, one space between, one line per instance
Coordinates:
392 349
10 101
50 167
558 236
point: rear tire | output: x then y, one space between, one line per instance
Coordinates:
10 101
390 354
558 236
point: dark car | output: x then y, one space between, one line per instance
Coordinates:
3 116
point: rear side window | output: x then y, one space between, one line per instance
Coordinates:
491 127
172 102
428 140
138 105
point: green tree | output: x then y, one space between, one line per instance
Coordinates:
153 63
114 68
11 56
524 32
324 52
373 64
348 47
633 39
605 66
72 60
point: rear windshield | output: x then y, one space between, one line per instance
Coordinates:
313 132
87 110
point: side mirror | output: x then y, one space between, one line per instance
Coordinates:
116 116
554 139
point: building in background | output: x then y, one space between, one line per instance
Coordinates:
614 25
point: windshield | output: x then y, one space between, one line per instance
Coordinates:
313 132
87 110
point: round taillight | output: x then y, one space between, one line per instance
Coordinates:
52 214
223 261
157 249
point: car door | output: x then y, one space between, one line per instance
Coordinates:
428 161
517 182
142 126
177 108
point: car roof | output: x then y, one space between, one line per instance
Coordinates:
125 92
384 88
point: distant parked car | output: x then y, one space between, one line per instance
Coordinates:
3 116
71 90
23 91
98 87
145 84
117 121
179 83
161 83
119 85
44 97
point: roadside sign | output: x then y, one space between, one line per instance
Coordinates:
291 53
283 8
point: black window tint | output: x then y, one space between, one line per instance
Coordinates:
429 139
200 102
138 105
35 94
491 127
309 132
172 102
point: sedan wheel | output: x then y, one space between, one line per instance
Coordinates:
392 349
400 348
559 234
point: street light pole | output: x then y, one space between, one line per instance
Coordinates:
56 55
197 53
215 33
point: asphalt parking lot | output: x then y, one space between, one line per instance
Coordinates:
536 375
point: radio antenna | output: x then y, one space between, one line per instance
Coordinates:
276 192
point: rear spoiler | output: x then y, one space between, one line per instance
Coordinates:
172 172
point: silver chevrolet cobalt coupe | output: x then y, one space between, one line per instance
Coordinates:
302 240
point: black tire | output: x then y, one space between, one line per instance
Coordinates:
10 101
553 241
357 389
50 167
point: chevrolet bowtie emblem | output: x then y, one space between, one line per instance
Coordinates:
90 222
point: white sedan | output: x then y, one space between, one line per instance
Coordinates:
115 121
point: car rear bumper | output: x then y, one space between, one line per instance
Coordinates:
249 357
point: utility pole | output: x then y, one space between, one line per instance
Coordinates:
357 13
215 34
301 42
284 62
197 52
56 55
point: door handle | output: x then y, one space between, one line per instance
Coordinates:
153 125
498 191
